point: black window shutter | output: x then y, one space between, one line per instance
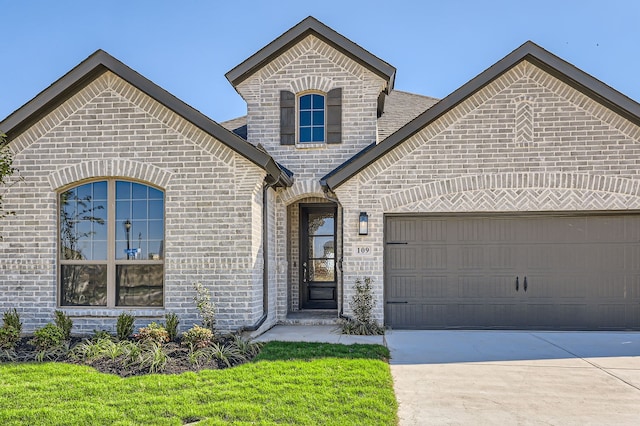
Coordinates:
334 116
287 118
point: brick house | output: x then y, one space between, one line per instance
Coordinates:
512 203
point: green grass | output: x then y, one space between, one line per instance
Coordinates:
289 383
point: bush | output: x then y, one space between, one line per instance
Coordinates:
48 337
362 303
154 333
64 323
197 337
12 319
205 306
124 326
172 325
9 337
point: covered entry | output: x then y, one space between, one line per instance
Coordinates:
578 271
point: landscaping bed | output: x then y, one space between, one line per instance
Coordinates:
111 358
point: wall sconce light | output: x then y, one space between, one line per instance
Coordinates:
363 227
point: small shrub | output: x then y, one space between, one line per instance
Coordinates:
362 304
154 332
47 337
228 354
64 323
101 334
197 337
153 356
8 355
205 306
55 353
172 322
124 326
9 337
12 319
248 348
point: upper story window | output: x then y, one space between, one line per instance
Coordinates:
111 245
311 118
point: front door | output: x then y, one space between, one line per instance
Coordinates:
318 257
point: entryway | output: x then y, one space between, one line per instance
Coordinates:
317 272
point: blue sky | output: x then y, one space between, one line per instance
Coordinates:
187 46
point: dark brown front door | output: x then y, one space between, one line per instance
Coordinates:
318 257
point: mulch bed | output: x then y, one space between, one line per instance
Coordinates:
178 360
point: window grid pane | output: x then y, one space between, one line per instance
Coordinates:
83 224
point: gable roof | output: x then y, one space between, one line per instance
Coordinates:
99 63
529 51
311 25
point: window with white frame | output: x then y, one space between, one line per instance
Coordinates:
111 245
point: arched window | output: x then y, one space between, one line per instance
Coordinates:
311 118
111 245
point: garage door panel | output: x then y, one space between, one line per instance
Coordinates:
485 287
474 315
559 316
418 288
582 271
418 315
402 258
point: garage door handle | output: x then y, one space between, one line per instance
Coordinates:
396 303
517 284
524 285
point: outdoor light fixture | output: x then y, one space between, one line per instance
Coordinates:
127 230
363 228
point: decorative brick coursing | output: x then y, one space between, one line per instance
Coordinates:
312 65
524 120
109 168
578 156
561 188
212 197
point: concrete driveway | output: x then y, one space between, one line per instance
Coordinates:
504 377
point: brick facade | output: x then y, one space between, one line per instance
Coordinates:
526 142
213 196
523 142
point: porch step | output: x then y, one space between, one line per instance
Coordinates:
312 317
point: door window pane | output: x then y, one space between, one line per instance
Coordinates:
321 224
321 247
322 270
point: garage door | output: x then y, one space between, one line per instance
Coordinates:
535 272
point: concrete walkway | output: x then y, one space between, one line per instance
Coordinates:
500 377
315 333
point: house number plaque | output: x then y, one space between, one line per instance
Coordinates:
363 251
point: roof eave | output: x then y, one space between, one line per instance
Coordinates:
310 25
100 62
530 52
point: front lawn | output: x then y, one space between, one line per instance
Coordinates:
288 383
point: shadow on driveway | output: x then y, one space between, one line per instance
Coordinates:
443 347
